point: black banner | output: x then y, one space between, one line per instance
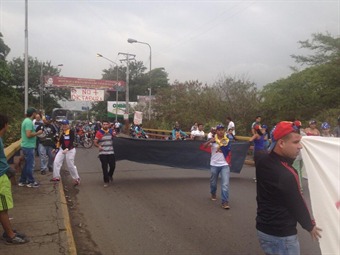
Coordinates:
181 154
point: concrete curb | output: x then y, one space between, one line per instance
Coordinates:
69 239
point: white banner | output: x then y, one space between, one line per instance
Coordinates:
89 95
138 118
321 157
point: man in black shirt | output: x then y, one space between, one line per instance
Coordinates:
280 204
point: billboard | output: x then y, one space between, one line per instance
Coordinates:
118 107
89 95
70 82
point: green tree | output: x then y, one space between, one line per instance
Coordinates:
192 101
9 98
325 47
36 71
311 92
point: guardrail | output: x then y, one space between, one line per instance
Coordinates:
12 150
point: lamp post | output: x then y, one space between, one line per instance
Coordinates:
149 103
130 40
135 41
101 56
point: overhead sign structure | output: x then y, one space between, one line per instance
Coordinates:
89 95
70 82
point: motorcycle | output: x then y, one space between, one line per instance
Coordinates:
84 139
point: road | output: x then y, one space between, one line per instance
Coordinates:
152 209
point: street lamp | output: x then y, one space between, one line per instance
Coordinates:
101 56
130 40
149 103
135 41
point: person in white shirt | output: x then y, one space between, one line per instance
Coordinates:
231 125
199 133
212 133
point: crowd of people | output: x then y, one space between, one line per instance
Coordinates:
276 155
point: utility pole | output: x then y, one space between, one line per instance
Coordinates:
26 56
127 59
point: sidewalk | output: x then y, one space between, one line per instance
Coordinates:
42 215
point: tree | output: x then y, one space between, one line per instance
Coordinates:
240 100
9 98
326 48
311 92
36 71
192 101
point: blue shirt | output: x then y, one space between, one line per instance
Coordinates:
3 160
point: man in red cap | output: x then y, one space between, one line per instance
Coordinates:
280 205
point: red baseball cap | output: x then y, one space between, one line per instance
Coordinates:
284 128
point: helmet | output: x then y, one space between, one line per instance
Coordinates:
65 122
325 125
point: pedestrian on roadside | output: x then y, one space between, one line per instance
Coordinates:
212 133
256 122
65 149
326 130
198 134
280 205
46 145
103 140
220 147
336 131
231 125
259 143
6 201
312 130
28 145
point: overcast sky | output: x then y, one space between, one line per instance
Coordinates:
192 40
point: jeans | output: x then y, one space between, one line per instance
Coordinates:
225 174
107 160
46 157
278 245
27 171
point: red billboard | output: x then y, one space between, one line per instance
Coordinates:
70 82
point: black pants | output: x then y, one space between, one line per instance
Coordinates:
108 161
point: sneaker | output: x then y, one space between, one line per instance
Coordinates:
213 197
17 239
76 182
106 185
33 185
22 184
4 235
225 205
43 172
55 179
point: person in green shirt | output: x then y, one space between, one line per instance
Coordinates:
6 199
28 144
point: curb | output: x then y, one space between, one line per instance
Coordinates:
71 245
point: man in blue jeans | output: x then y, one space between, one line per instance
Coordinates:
28 144
220 148
280 205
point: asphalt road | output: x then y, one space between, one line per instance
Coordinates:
152 209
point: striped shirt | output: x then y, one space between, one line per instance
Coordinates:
104 139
